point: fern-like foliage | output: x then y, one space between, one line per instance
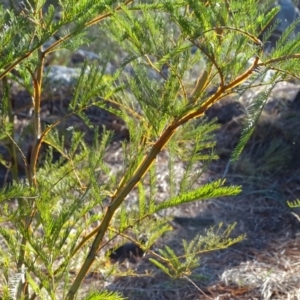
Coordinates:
179 57
103 295
179 266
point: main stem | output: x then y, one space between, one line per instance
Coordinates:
117 201
144 167
37 82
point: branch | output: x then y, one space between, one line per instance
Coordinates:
117 200
88 24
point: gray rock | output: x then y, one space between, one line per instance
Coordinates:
287 15
81 55
61 75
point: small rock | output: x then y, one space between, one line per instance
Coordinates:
81 55
286 16
61 75
129 251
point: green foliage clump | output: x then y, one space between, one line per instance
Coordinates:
47 225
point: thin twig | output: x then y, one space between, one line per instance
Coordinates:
194 284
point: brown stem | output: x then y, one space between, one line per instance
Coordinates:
88 24
11 145
37 83
144 166
14 64
116 202
219 94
